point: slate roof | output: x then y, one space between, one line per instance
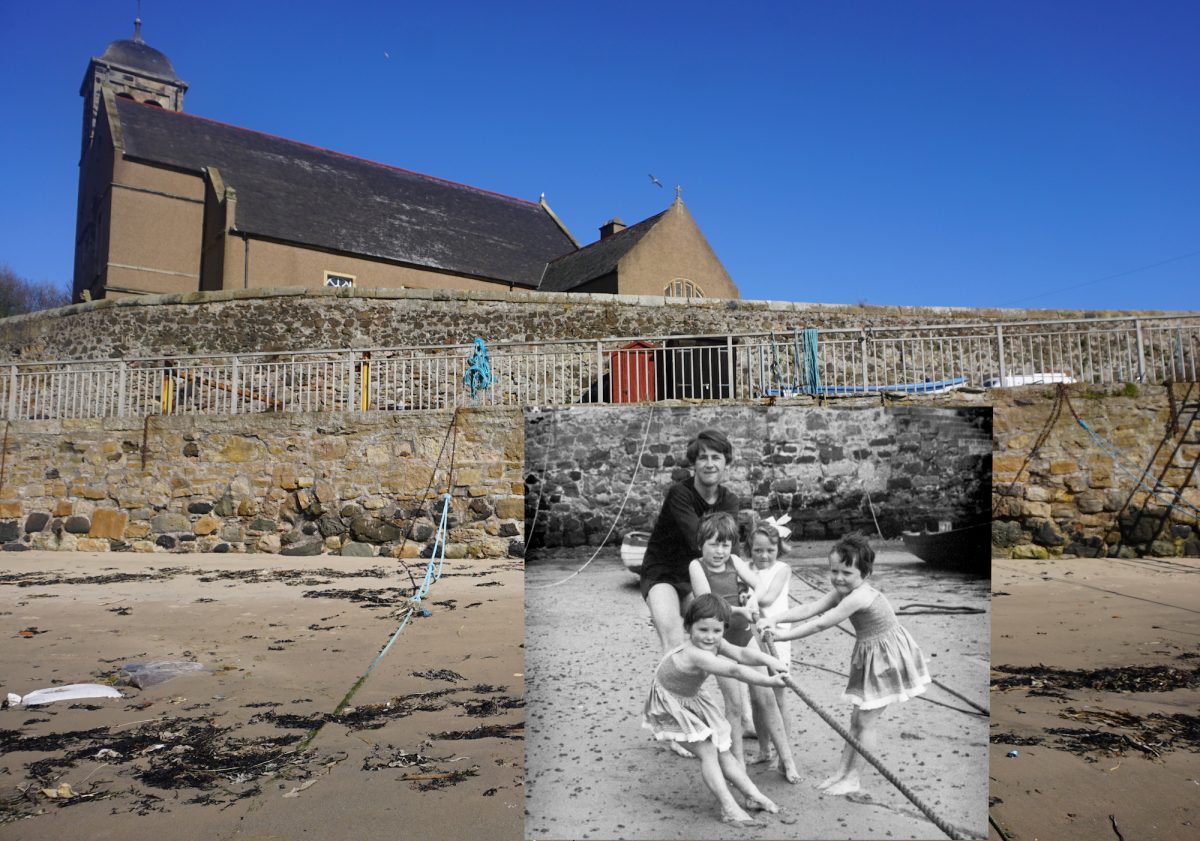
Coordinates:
595 260
297 193
138 55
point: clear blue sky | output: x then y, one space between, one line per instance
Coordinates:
1029 154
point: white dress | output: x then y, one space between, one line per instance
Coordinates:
783 648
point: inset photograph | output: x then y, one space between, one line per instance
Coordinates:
757 622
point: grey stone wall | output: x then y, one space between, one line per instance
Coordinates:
300 319
1083 495
829 468
351 483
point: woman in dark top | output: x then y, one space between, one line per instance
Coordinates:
665 584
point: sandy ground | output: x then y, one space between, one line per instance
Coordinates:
592 772
282 640
1088 615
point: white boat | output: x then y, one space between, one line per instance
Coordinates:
1038 378
633 549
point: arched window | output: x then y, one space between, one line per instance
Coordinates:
681 287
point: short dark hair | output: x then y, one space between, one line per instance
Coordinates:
719 524
854 549
707 606
714 439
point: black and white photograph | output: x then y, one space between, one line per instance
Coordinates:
757 622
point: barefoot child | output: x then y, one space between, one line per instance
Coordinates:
770 579
678 710
886 665
713 573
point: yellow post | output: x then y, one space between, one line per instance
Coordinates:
168 390
365 389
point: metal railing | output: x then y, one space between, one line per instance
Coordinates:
730 367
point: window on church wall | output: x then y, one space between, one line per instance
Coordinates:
681 287
337 280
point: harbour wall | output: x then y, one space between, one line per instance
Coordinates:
365 484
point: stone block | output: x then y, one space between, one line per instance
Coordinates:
510 508
238 450
92 544
312 546
77 525
137 530
36 521
1090 502
354 549
143 546
63 508
206 525
269 543
108 523
167 522
1028 551
373 530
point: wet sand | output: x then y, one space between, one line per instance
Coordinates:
1114 636
592 772
282 640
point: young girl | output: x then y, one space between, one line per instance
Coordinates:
770 579
713 573
678 710
886 665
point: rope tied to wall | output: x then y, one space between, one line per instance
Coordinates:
478 376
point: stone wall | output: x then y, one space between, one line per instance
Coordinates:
300 319
1079 494
834 470
351 483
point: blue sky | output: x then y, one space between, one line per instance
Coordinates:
1018 154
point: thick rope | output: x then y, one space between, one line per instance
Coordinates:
945 826
431 575
479 370
637 464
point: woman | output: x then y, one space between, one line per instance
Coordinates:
665 584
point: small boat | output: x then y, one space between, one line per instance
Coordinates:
924 387
966 549
633 549
1036 378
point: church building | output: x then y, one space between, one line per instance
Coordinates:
172 202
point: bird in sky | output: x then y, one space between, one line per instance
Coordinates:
655 181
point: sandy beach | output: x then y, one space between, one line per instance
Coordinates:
431 744
592 772
1096 687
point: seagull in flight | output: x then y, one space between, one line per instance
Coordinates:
655 181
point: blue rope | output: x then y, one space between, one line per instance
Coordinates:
812 371
479 371
1115 455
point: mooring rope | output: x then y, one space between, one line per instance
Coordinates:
945 826
431 575
637 464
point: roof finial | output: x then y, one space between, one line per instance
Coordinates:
678 193
137 25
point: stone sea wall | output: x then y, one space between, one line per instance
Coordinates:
303 484
593 474
1087 495
277 320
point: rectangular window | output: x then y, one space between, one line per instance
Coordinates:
337 280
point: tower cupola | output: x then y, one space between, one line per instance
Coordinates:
133 69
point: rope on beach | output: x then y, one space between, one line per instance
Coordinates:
637 464
437 556
945 826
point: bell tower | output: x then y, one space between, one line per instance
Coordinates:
133 69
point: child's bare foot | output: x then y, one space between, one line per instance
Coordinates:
678 749
790 773
740 818
761 804
759 758
847 785
828 781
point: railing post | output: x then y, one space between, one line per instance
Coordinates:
364 382
122 368
729 365
12 392
1141 348
1000 351
235 386
600 375
863 346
